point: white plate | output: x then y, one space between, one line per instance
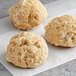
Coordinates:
57 56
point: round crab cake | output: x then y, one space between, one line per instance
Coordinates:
28 14
27 50
61 31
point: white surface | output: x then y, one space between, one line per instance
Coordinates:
56 57
60 6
